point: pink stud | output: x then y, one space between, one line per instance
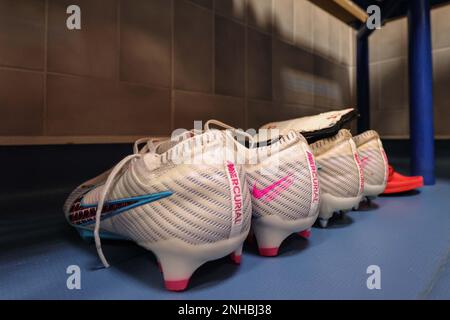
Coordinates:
176 285
305 233
235 258
268 252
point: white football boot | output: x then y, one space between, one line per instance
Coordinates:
340 174
284 184
373 162
185 211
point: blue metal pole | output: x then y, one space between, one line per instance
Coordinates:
362 65
362 82
421 91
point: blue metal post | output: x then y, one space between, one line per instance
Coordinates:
362 82
421 91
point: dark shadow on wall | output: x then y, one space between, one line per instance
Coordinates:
304 81
389 96
284 81
285 78
441 93
300 82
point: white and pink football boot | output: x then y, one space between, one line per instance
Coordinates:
283 181
188 205
373 162
340 174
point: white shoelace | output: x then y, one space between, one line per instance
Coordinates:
226 126
150 145
101 202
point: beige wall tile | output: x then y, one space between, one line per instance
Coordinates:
229 57
292 111
441 121
193 47
353 47
347 51
303 30
393 84
235 9
374 46
203 3
91 51
259 14
441 79
80 106
440 27
374 83
260 113
293 74
321 32
389 42
340 92
336 38
441 62
393 123
22 29
331 84
259 64
283 25
145 41
322 83
21 103
353 97
190 107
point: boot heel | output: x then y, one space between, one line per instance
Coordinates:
179 260
305 233
236 256
269 238
177 270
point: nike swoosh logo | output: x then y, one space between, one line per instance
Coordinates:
260 193
84 214
364 161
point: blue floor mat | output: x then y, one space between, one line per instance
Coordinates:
406 236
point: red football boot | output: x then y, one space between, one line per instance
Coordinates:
398 183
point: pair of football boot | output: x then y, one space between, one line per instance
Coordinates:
193 198
351 169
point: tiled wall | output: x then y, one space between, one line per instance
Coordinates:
145 67
389 76
441 69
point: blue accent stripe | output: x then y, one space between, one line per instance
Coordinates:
151 197
140 200
88 235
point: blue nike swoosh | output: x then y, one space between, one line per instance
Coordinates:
84 214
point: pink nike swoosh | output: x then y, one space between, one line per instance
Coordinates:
258 194
364 161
